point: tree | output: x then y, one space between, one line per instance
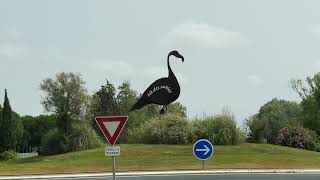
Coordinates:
126 98
104 103
67 97
309 91
0 115
273 116
8 133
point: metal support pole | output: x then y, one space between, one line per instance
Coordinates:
203 164
114 166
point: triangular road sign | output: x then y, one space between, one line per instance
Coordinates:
111 126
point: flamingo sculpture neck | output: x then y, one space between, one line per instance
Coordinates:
171 74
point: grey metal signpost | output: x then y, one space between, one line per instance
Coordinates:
113 152
111 126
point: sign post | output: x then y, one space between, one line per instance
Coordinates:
114 167
203 150
111 126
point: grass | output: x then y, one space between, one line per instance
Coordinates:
138 157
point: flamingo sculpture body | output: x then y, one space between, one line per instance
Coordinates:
163 91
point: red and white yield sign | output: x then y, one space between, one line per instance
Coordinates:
111 126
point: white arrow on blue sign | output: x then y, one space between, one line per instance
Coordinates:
203 149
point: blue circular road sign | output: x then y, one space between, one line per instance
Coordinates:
203 149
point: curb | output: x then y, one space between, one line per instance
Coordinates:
153 173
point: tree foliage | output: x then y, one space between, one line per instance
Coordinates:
103 103
273 116
67 97
34 129
309 91
9 127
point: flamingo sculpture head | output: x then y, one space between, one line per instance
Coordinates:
177 55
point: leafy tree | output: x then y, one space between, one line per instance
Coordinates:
8 132
0 115
258 129
126 98
103 103
67 97
273 116
309 91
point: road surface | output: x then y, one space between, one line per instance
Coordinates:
224 176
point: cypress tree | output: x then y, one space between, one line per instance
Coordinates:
8 138
1 144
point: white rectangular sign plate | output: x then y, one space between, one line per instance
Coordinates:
112 151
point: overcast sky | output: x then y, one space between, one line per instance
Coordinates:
239 54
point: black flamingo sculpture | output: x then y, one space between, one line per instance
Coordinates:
163 91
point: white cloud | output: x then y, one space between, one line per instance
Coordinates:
205 35
254 79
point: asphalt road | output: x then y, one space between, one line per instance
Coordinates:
209 177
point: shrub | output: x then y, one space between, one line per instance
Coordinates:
54 142
219 129
7 155
168 129
136 135
298 137
83 137
313 141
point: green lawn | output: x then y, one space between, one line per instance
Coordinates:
166 157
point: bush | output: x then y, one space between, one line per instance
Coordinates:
219 129
168 129
313 141
136 135
54 142
292 137
7 155
83 137
298 137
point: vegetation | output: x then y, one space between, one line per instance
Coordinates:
35 128
168 129
10 130
298 137
139 157
67 98
272 116
288 123
220 129
71 125
7 155
310 95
